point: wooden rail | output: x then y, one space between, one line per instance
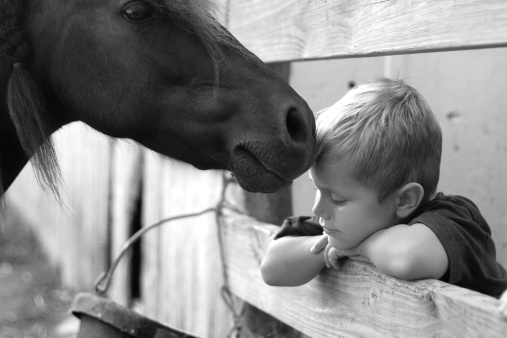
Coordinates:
356 300
314 29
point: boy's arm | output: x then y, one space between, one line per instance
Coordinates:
289 262
407 252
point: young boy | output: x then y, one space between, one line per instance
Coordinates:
376 174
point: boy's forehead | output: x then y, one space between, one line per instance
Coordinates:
326 169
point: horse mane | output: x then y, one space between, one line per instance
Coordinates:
200 19
24 98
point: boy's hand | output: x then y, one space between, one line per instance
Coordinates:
502 309
319 245
332 255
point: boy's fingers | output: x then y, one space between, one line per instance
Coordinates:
326 256
333 257
319 245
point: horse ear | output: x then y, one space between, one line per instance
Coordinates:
28 113
409 198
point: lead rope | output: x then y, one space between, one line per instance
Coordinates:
103 281
225 290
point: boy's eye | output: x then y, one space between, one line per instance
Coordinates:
337 201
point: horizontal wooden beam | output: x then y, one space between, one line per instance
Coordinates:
357 300
291 30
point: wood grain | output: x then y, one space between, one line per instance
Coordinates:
314 29
356 300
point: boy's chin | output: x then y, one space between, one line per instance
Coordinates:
341 245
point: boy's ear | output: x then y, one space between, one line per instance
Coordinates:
409 198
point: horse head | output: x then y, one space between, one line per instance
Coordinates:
163 73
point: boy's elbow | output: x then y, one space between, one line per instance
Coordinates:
269 274
411 263
275 275
401 267
398 263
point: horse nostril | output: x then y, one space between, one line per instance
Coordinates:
296 126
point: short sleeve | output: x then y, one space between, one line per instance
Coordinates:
466 239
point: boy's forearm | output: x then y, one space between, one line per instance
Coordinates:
289 262
374 249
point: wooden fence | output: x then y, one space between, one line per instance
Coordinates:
175 275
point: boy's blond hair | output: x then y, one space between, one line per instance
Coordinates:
387 136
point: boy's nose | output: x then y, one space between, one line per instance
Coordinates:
319 210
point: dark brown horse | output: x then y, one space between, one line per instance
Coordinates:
161 72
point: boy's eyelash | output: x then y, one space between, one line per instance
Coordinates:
337 201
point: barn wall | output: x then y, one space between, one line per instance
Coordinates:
74 234
181 265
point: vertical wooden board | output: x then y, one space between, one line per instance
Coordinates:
73 234
466 90
151 255
188 278
181 267
90 194
126 180
193 268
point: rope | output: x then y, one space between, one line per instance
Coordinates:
225 291
102 283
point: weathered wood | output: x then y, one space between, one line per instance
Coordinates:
357 300
308 29
125 179
181 266
74 235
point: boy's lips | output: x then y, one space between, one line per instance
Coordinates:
329 231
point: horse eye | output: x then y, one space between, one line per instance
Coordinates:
138 11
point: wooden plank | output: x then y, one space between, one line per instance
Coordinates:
357 300
181 268
73 235
314 29
127 169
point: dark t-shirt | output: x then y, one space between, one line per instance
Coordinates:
461 229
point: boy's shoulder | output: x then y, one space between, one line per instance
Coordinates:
460 227
453 216
452 206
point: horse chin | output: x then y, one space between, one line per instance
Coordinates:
264 183
252 175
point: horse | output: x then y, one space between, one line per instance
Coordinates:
163 73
